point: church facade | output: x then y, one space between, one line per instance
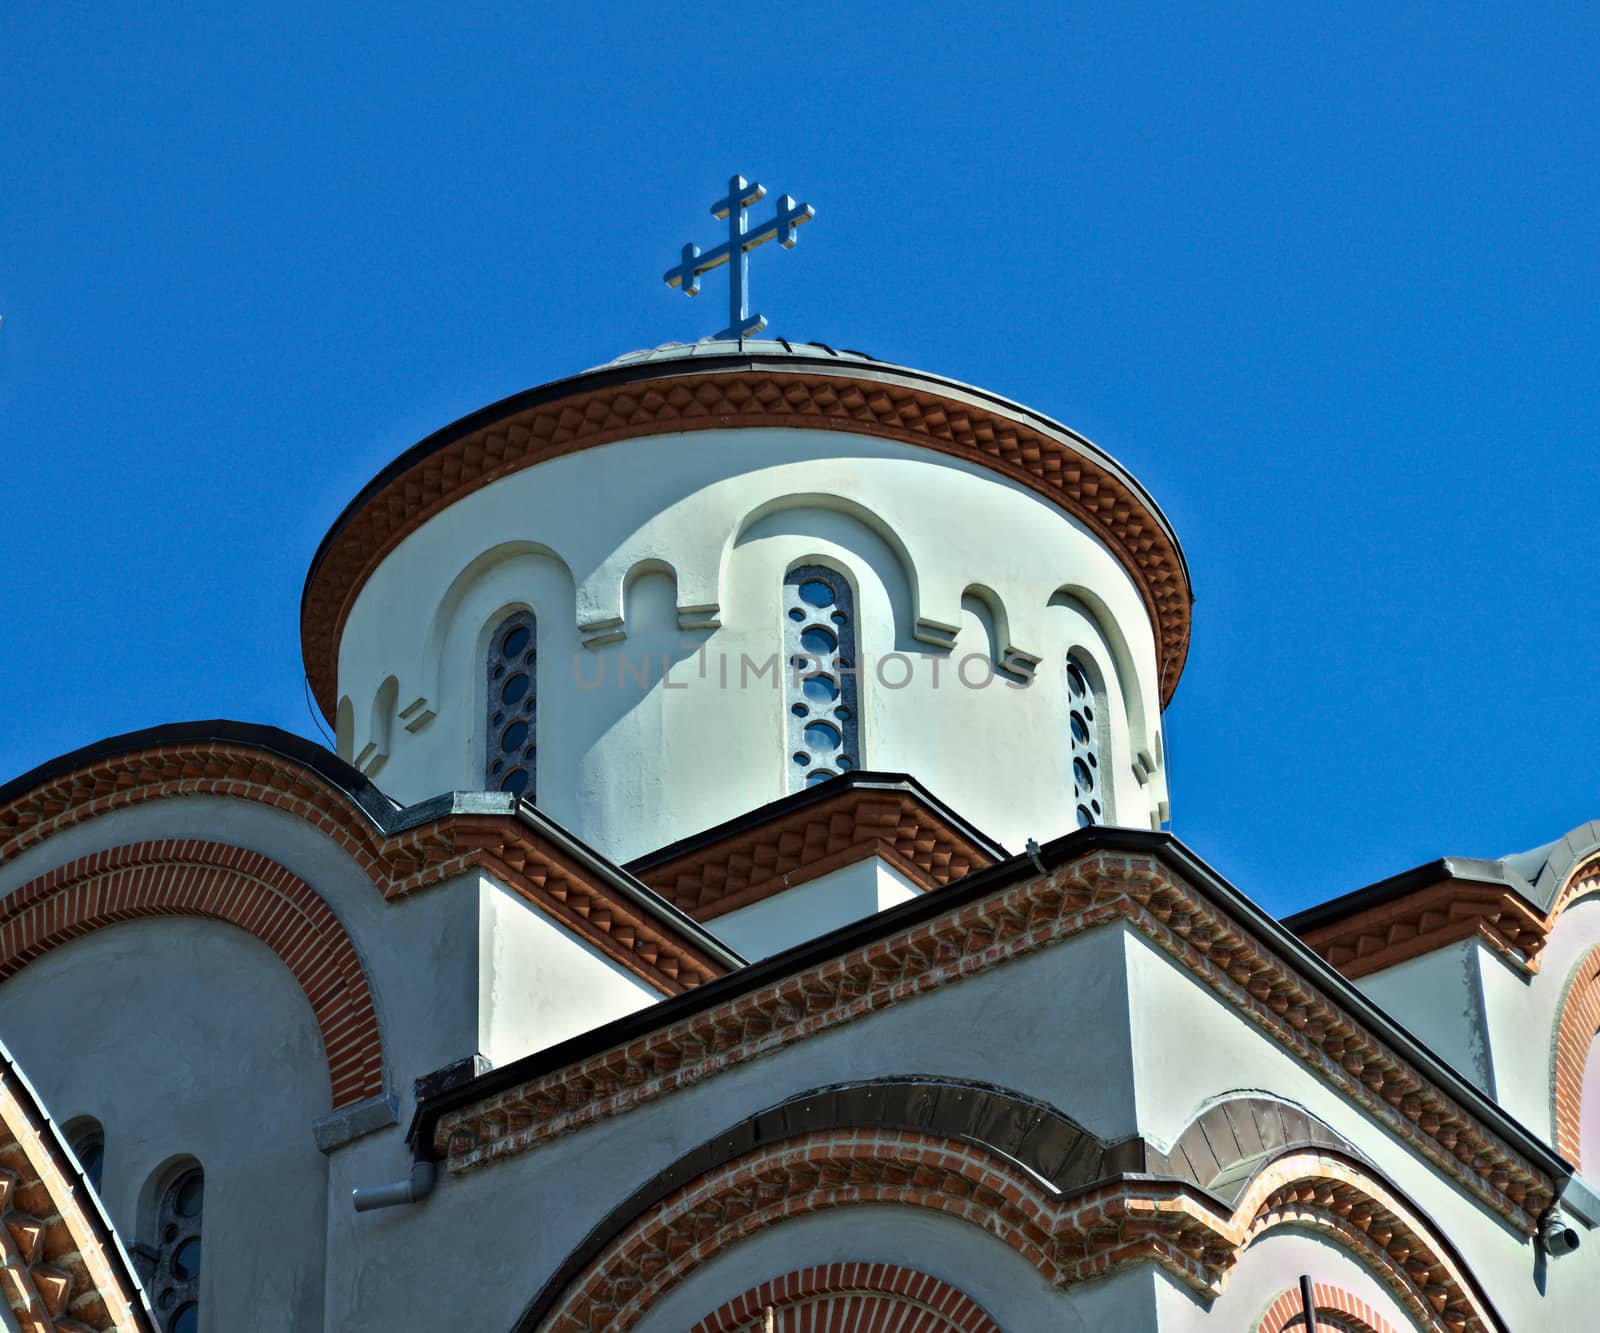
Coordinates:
658 950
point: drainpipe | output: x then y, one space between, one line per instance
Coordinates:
412 1189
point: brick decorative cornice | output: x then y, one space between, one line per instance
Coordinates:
61 1269
1015 920
223 883
1444 913
1068 1239
852 1295
1286 1314
1433 918
797 845
742 398
398 864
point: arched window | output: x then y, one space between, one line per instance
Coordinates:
87 1139
1086 725
511 765
819 641
174 1258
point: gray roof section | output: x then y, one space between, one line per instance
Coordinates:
1536 876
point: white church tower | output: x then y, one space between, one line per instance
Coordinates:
664 593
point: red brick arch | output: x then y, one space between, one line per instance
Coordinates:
1078 1238
1339 1307
848 1296
1575 1031
221 883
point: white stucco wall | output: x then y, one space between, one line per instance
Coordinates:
537 983
1189 1050
1439 998
720 516
1266 1268
813 908
1010 1289
190 1038
1053 1025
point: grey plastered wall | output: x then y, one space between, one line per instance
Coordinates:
1190 1049
1439 998
1053 1025
191 1038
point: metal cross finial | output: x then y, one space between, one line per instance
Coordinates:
736 249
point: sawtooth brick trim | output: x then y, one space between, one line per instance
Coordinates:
744 398
1018 919
61 1267
222 883
852 1295
1444 913
1584 880
1575 1032
1433 918
812 841
1287 1315
1068 1239
399 864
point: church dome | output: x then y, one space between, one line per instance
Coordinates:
666 591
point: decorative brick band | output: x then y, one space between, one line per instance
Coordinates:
1430 919
61 1269
1336 1307
815 840
851 1295
1445 913
1056 466
1067 1239
398 864
222 883
1575 1033
1015 920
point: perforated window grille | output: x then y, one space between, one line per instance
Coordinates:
174 1282
511 748
819 641
1084 722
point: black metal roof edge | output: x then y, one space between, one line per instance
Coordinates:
865 779
72 1172
634 372
1459 869
630 886
1058 852
220 731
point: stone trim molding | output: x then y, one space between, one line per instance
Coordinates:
1017 919
744 397
1575 1032
405 862
222 883
1068 1239
1444 913
852 1295
792 846
1348 1311
62 1269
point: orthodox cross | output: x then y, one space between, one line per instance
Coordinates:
735 251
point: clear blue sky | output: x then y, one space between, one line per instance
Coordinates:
1326 283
